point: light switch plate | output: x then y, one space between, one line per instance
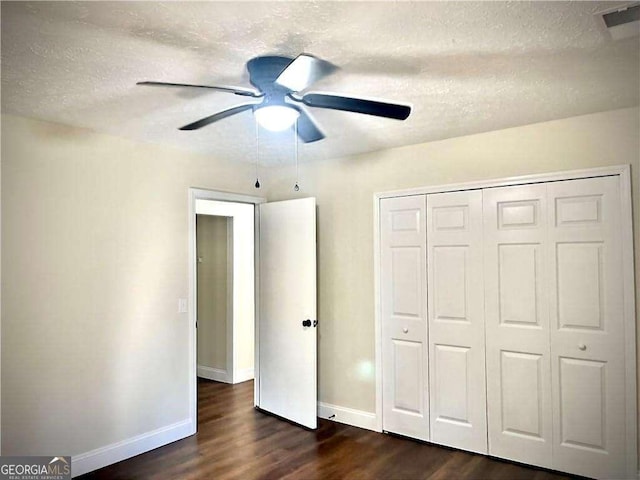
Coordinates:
182 305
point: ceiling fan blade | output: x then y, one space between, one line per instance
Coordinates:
246 92
303 71
308 130
203 122
348 104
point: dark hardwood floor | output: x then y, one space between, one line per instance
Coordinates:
235 441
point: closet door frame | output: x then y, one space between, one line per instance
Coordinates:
626 218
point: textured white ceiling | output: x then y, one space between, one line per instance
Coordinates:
465 67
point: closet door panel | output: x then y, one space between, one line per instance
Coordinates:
520 381
456 320
450 265
587 331
518 275
517 324
405 399
407 365
451 384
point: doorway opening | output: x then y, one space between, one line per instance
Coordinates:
225 291
214 309
281 308
222 291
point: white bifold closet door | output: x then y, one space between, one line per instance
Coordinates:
456 320
554 326
503 328
405 399
587 330
517 324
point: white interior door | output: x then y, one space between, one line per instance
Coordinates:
405 398
456 320
587 331
517 324
287 298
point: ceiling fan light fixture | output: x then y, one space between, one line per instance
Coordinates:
276 117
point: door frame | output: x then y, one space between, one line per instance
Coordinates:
626 216
217 195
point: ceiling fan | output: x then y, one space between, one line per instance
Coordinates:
277 103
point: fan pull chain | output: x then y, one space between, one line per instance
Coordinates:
295 143
257 184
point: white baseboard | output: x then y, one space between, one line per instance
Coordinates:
215 374
243 375
116 452
348 416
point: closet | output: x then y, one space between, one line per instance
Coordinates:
504 312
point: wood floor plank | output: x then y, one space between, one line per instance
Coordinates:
237 442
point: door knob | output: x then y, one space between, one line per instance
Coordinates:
582 346
306 323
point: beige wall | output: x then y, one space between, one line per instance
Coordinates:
345 187
213 270
94 258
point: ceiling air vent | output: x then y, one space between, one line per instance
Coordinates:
621 22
